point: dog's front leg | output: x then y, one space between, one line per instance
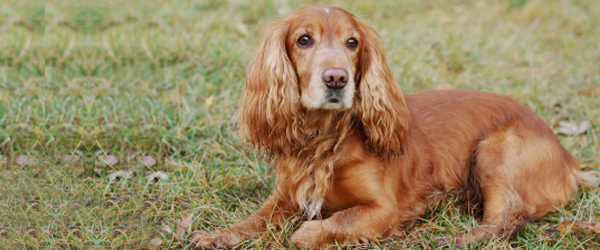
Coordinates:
355 225
274 212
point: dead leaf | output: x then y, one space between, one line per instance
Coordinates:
74 206
31 203
115 200
32 231
124 175
444 86
74 230
241 28
129 155
182 226
66 159
209 101
158 175
153 200
570 128
168 229
4 233
149 161
70 160
120 230
22 160
155 243
589 92
111 160
578 225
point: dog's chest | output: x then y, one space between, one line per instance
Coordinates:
348 189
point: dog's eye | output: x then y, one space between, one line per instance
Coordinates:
352 43
304 41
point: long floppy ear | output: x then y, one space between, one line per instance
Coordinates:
382 108
269 111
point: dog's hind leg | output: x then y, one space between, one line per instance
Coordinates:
522 174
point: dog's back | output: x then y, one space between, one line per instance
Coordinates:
502 151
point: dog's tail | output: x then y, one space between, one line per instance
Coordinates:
587 179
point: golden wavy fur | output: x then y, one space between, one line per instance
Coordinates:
360 160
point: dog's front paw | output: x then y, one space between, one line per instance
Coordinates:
222 238
310 235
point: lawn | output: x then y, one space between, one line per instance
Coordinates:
117 118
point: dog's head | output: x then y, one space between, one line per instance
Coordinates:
321 59
322 44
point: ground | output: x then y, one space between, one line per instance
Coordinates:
91 88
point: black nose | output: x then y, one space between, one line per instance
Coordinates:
335 78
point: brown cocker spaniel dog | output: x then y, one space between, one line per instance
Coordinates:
360 160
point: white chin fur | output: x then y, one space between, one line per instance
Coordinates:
327 105
333 106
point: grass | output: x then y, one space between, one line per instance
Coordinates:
83 80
